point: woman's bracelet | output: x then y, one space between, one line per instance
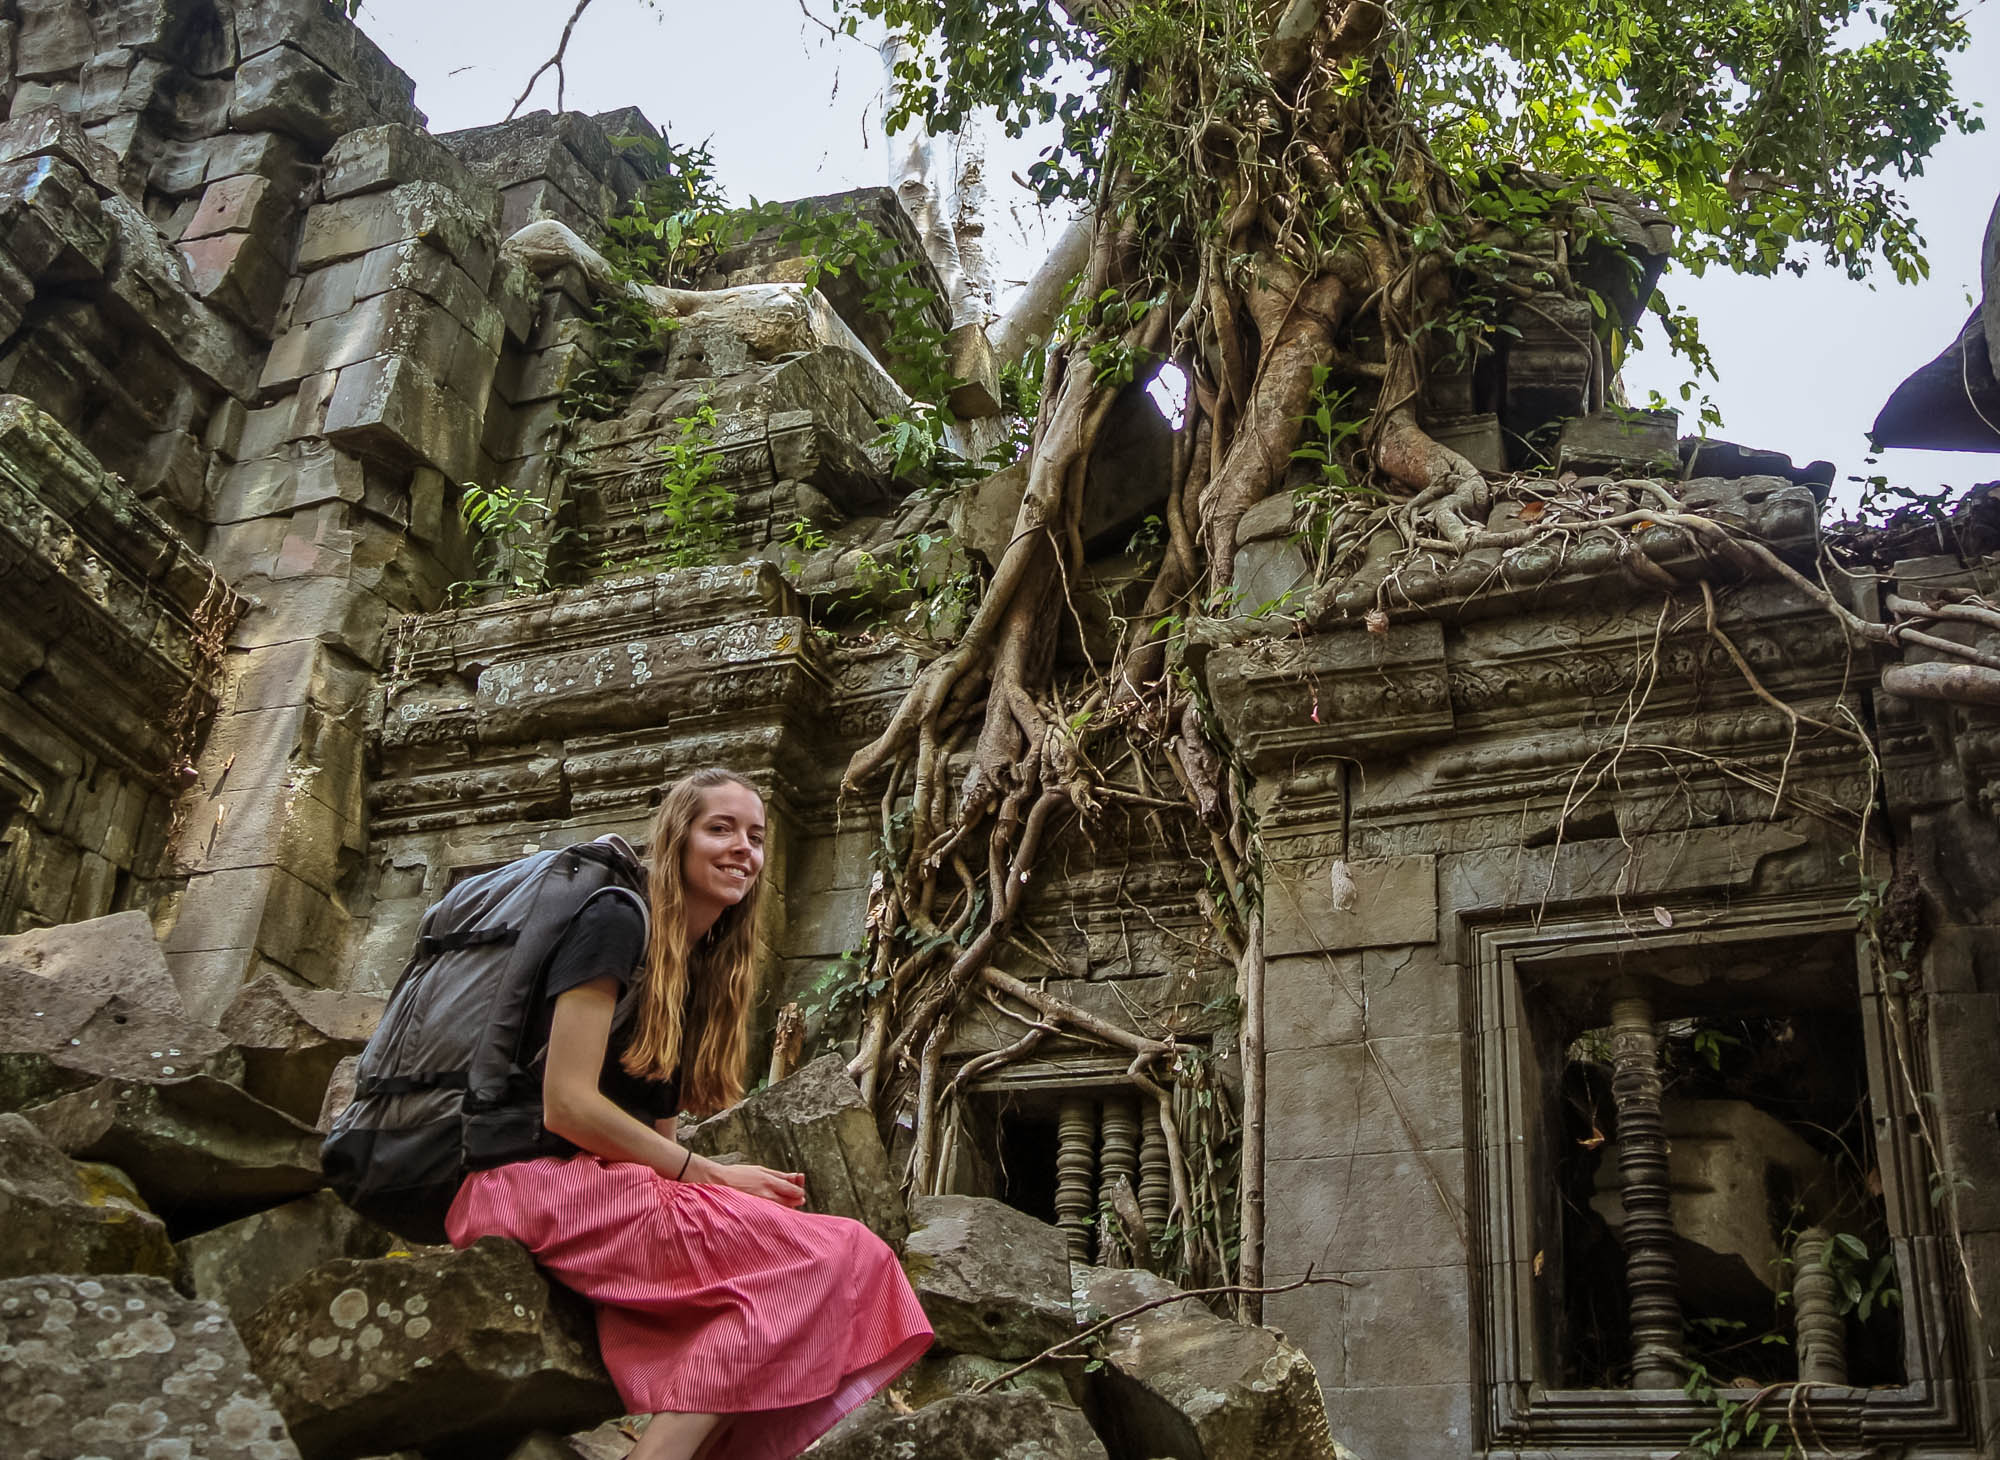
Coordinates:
681 1175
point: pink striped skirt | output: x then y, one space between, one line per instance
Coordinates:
709 1301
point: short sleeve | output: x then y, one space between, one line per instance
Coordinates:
608 938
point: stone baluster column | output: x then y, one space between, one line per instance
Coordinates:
1156 1202
1076 1168
1118 1155
1821 1331
1652 1272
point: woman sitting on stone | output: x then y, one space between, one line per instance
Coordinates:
744 1326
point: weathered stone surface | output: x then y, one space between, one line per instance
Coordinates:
816 1122
1330 906
104 956
417 210
1617 441
195 1142
440 1350
243 1264
285 90
1180 1381
151 284
993 1281
371 159
66 1216
983 512
125 1366
394 404
55 1039
292 1039
963 1427
339 1092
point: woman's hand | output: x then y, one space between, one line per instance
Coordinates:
786 1188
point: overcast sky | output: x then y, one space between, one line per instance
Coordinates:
1804 363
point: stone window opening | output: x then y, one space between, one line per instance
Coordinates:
1772 1195
1693 1139
1058 1152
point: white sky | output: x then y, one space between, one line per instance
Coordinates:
1804 363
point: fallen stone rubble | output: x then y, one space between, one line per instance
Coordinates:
352 1345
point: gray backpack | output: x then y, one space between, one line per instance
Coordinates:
446 1085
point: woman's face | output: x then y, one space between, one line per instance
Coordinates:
725 847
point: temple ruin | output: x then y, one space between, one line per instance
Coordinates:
1630 966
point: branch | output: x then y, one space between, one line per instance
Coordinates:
1065 1012
1056 1350
554 63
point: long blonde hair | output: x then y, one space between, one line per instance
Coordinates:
694 997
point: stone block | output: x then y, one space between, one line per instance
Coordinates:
56 231
1180 1381
196 1143
262 908
150 288
815 1121
327 291
1314 1000
983 512
239 275
262 154
993 1281
125 1366
174 467
414 264
1325 905
1312 1319
105 957
1272 576
292 1038
246 204
373 159
244 1264
285 90
420 210
53 41
1403 1419
400 323
66 1216
1409 1325
541 197
963 1427
973 366
95 887
1964 1033
1364 1213
1384 1095
278 486
392 403
1619 441
443 1350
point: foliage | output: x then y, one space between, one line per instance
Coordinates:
1740 1423
694 511
1769 131
673 224
514 537
1864 1283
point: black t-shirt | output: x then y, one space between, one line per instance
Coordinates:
608 938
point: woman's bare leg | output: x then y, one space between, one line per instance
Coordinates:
674 1436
